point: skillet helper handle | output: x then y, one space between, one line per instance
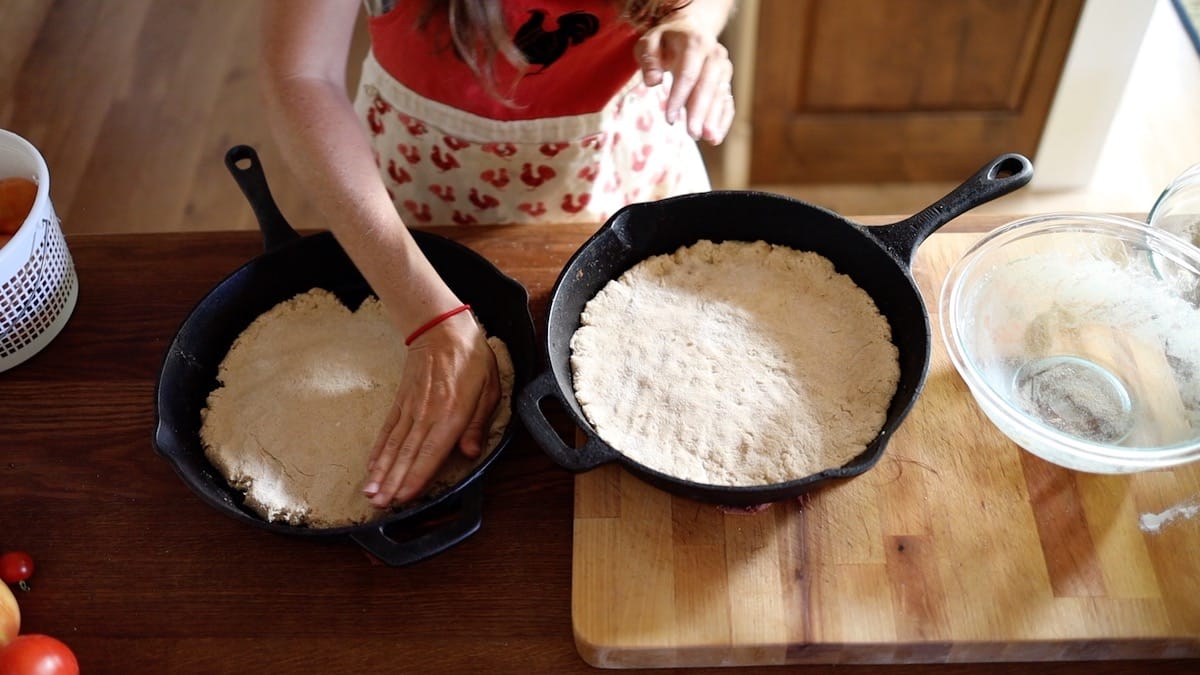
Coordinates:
529 407
995 179
243 163
400 552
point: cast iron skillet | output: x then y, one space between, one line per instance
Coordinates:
293 264
877 258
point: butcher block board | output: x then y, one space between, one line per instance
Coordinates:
958 546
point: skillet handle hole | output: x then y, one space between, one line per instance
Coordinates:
244 164
1007 169
554 412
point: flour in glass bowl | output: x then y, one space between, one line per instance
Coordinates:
1137 332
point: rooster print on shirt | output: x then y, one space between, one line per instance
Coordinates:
542 47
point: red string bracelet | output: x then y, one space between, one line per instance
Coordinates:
433 322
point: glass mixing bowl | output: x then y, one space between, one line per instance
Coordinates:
1079 337
1177 209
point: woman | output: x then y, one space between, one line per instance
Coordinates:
479 111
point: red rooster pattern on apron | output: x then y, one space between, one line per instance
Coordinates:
443 165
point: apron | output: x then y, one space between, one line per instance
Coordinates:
444 166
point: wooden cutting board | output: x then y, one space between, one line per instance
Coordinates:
957 546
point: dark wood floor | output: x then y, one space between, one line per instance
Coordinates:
133 103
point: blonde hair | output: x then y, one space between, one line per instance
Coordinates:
479 34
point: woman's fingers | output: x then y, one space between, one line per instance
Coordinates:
648 54
429 455
385 432
388 452
719 118
671 49
391 480
685 56
475 435
707 96
700 75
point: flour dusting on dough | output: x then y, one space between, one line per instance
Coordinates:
735 363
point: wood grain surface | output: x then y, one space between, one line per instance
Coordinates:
133 103
137 574
957 546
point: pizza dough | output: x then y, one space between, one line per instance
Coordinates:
735 364
304 391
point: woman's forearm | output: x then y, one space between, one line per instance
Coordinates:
327 149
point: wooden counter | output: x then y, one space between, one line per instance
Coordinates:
136 574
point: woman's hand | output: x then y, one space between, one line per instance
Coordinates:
685 44
448 391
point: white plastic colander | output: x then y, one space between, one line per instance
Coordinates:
38 286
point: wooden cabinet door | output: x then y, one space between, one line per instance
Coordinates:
902 90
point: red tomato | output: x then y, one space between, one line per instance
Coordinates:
10 616
35 654
16 567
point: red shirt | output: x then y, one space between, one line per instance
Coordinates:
580 54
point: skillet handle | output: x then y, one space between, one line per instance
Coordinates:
400 552
243 163
594 453
995 179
